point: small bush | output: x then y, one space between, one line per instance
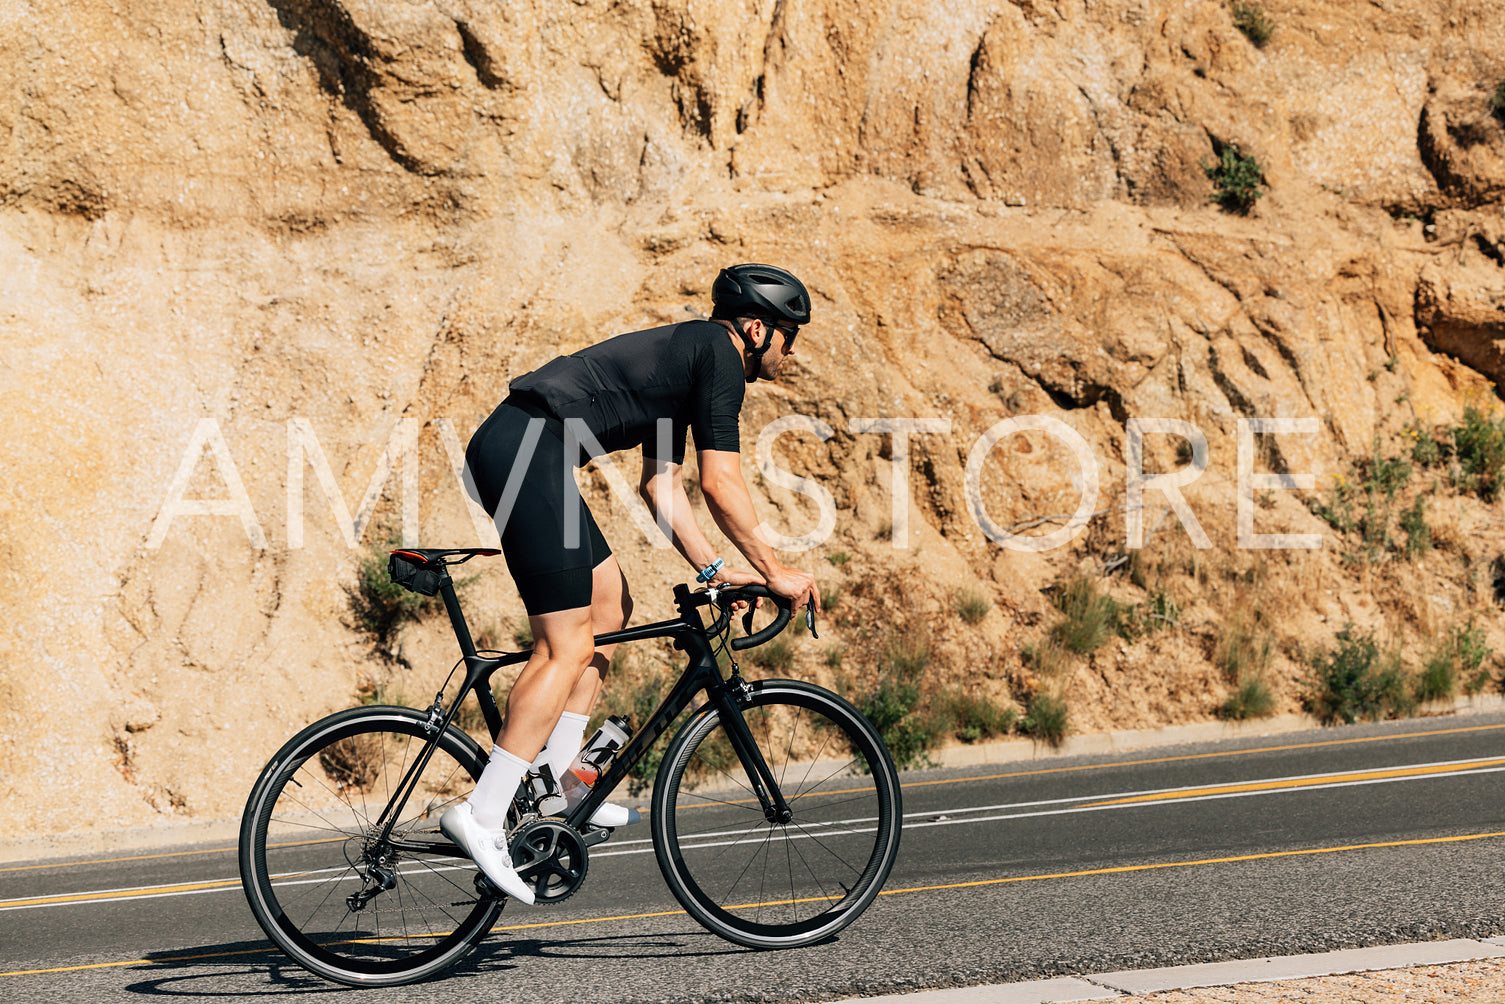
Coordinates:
1458 661
1045 718
1438 679
1497 100
1251 19
1479 445
1355 682
839 558
1090 617
1414 522
1237 179
1155 614
776 655
834 654
970 717
1243 649
1364 501
906 654
830 598
379 607
890 707
354 762
1425 449
972 606
523 636
1049 660
1252 699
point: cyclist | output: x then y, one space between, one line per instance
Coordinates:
642 389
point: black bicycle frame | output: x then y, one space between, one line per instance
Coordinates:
702 674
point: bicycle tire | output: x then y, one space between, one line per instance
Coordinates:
768 885
308 826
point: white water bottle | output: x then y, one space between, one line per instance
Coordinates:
595 758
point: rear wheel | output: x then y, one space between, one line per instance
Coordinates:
771 884
342 902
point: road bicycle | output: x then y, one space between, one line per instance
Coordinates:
775 813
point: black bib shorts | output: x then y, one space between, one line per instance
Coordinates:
550 575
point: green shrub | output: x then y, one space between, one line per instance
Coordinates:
1479 445
1497 100
1364 501
834 655
972 606
890 706
379 607
1355 682
971 717
1414 522
1438 679
1048 659
1243 649
776 655
1252 699
1237 179
839 558
1425 449
1045 718
1090 617
1251 19
830 598
1459 662
907 653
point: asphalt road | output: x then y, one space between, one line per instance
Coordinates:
1306 842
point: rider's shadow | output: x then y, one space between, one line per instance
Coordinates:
202 972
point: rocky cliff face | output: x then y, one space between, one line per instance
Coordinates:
262 251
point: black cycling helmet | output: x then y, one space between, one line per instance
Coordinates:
761 291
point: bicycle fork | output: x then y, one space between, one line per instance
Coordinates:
729 699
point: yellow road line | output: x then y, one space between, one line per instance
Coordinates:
156 890
910 784
1116 870
1204 861
1206 756
1301 782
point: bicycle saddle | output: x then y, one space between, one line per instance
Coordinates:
441 556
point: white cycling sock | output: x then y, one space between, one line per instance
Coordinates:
493 794
563 745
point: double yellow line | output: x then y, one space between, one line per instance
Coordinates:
1117 870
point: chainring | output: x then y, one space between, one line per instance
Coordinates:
550 856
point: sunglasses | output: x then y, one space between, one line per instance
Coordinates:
789 331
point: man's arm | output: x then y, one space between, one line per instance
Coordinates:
731 507
663 488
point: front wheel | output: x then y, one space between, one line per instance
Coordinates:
770 884
322 882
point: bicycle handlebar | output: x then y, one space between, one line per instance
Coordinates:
751 593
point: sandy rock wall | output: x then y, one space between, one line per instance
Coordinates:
327 225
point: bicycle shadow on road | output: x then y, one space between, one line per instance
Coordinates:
252 968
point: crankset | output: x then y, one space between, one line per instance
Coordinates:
550 856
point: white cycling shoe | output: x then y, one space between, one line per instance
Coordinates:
612 814
606 814
488 850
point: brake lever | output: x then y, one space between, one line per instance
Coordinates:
810 620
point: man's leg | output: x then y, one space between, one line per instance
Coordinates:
611 606
562 649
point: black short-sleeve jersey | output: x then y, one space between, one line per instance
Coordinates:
646 388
